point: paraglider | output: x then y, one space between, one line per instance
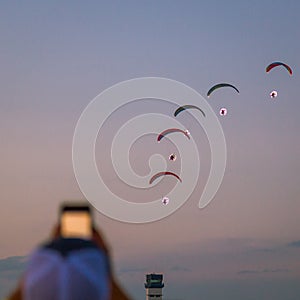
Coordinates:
172 157
188 106
276 64
165 200
159 174
220 85
223 111
172 130
273 94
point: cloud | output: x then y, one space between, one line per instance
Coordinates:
179 269
132 270
277 248
264 271
267 250
295 244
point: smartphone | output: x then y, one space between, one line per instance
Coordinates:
76 221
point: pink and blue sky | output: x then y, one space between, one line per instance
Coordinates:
57 56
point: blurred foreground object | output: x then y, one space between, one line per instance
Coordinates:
69 269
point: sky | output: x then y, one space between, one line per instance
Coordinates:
58 56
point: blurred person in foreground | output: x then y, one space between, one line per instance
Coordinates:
69 269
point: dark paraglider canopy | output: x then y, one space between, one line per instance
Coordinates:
220 85
188 106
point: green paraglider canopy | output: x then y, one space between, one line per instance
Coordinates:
188 106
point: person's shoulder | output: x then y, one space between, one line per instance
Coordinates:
67 246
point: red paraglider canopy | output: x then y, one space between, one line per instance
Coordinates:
276 64
159 174
171 130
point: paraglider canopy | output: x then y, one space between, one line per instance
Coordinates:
220 85
172 130
187 106
276 64
154 177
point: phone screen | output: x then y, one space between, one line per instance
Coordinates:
76 222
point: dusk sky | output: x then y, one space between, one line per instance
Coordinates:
57 56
